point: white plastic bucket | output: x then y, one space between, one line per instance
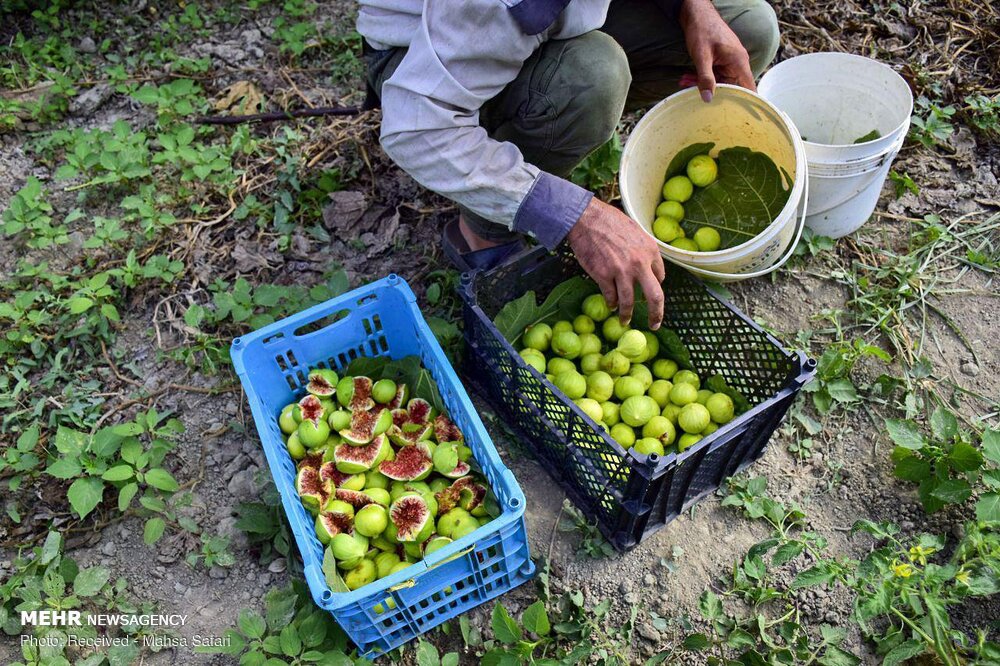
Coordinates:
734 117
834 99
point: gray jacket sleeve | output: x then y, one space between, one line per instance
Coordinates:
463 55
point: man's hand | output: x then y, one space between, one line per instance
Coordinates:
716 51
617 253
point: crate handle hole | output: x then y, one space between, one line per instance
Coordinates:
321 323
327 595
514 502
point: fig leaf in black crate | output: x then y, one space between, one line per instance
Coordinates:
563 302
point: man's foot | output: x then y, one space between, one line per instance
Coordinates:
470 252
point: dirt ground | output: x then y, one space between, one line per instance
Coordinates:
849 476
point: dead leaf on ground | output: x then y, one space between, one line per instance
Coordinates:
343 211
242 96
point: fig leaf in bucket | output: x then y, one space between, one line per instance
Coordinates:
748 194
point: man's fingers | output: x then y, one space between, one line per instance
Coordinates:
626 298
609 293
658 270
654 298
706 77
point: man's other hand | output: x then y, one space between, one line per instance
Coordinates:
618 253
716 51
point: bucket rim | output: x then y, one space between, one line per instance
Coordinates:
682 257
901 127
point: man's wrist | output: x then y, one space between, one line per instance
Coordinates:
693 11
551 209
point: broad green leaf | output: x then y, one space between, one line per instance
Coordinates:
745 199
28 439
816 575
105 442
126 494
953 491
991 444
710 605
51 547
332 574
90 581
79 305
427 654
450 659
64 468
902 652
110 312
312 630
832 635
905 434
988 507
118 473
522 312
536 620
129 429
931 502
965 457
912 468
696 642
835 656
842 390
85 494
70 442
944 425
505 629
162 479
291 644
500 657
153 530
787 552
251 624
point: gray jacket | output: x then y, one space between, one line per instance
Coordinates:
461 54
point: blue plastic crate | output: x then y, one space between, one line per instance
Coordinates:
382 319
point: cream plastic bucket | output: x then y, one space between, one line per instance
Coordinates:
833 99
734 117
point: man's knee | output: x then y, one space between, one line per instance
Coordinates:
757 28
592 81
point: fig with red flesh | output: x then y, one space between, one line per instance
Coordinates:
329 472
402 393
411 464
356 459
412 518
366 425
311 489
446 431
312 459
466 492
329 525
311 409
355 393
411 425
460 470
355 498
322 382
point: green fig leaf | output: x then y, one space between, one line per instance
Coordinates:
748 195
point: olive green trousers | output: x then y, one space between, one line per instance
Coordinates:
570 94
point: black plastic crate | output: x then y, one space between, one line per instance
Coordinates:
630 495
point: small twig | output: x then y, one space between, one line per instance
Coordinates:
114 368
280 115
